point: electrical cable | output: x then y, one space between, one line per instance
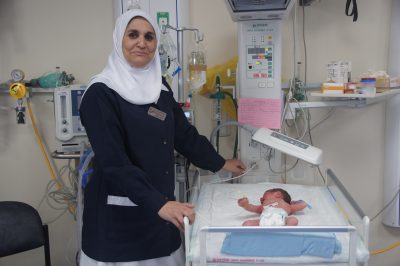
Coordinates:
57 217
306 114
306 126
305 71
291 91
328 115
44 153
305 84
187 166
311 142
246 127
295 123
235 148
305 48
64 195
292 82
282 126
48 195
235 177
279 172
308 117
386 205
290 98
286 169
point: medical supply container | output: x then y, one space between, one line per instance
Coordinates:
367 86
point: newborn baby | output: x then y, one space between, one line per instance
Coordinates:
275 209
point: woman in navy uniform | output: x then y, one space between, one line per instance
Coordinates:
134 124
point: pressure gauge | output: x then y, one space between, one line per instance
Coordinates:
17 75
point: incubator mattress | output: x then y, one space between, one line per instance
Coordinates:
217 206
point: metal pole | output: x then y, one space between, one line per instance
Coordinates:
179 46
180 60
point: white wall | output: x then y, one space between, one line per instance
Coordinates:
38 35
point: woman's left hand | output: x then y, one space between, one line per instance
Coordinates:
234 166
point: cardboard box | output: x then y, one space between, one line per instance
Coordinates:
332 88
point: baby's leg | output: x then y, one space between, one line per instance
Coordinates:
291 221
251 223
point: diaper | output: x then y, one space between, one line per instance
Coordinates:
273 216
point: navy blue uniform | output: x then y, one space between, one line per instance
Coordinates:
134 159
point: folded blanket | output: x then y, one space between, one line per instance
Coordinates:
266 244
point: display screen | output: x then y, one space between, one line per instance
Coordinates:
76 98
256 50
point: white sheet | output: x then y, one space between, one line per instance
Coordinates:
217 206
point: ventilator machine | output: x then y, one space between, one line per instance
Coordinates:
70 132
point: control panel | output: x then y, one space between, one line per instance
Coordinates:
260 63
289 140
260 59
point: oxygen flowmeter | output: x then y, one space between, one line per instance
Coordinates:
17 88
18 91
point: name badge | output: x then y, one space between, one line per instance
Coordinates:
154 112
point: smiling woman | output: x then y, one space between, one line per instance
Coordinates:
134 124
139 43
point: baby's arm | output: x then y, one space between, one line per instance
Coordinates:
244 203
297 205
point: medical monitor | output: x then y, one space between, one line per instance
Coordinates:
70 132
258 9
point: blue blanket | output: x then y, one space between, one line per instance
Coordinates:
266 244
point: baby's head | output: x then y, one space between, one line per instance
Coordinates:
276 193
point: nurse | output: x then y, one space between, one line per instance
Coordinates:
134 124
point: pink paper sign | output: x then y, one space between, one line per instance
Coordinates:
260 112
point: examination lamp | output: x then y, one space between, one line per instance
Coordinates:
278 141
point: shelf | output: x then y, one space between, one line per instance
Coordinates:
343 100
359 96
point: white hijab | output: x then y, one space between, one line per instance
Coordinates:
135 85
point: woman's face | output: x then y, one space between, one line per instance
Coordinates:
139 43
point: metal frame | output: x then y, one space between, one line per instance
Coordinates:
358 223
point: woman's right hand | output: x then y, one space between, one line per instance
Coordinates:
174 211
234 166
